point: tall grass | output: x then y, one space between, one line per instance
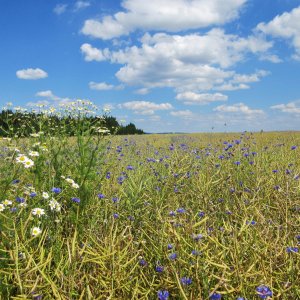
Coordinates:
150 217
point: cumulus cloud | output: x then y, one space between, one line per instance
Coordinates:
291 107
60 8
286 26
48 94
239 108
190 62
100 86
160 15
145 107
185 114
195 98
90 53
31 74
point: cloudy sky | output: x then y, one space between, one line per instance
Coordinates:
166 65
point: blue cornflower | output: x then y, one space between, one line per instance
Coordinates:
129 167
159 269
170 246
237 163
197 237
263 291
32 195
15 181
20 200
121 179
143 263
293 147
56 190
195 252
240 298
115 215
172 214
173 256
115 199
186 281
181 210
108 175
292 249
251 222
163 295
201 214
101 196
76 200
215 296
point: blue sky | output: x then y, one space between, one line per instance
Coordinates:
165 65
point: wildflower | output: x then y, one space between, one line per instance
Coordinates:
293 147
163 295
75 185
129 167
56 190
201 214
186 281
197 237
264 292
7 202
45 195
250 222
195 252
76 200
181 210
21 158
15 181
2 207
159 269
32 194
143 263
101 196
35 231
38 212
115 215
28 163
115 199
173 256
54 205
170 246
292 249
237 163
33 154
215 296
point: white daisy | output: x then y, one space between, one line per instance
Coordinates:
35 231
38 211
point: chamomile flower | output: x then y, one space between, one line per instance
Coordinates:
54 205
69 180
35 231
2 207
28 164
7 202
45 195
38 212
21 158
75 185
33 154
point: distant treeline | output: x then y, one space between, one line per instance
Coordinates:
26 123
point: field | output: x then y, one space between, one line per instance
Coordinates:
198 216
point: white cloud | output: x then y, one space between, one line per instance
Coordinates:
240 108
48 94
194 98
81 5
100 86
167 15
238 81
145 107
291 107
31 74
286 26
182 113
38 103
186 63
143 91
90 53
60 8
